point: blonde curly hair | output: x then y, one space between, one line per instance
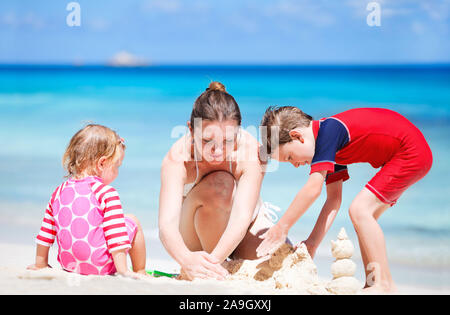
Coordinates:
87 146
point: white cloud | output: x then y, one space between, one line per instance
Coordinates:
438 11
99 24
127 59
9 19
27 20
307 11
388 8
418 28
244 23
168 6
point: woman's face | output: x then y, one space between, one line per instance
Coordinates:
216 140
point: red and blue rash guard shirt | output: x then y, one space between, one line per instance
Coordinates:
371 135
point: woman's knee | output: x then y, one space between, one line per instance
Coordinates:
219 187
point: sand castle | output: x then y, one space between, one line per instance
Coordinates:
293 269
288 268
343 269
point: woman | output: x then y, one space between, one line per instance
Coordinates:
210 207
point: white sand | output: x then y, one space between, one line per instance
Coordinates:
288 269
15 279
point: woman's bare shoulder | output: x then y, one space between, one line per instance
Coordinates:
248 149
178 154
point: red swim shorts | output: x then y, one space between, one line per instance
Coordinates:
410 164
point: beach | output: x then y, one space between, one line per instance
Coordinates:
42 107
146 69
15 279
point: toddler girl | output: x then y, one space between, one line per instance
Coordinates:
85 214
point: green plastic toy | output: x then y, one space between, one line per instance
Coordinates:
157 274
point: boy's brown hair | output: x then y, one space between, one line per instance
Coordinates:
285 119
87 146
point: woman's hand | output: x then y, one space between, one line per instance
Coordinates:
202 265
272 240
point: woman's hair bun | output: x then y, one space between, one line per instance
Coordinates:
216 86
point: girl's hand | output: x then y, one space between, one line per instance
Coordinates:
34 267
132 275
272 240
203 265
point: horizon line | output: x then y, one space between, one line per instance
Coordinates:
225 65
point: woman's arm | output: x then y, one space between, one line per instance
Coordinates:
193 264
244 203
326 217
173 176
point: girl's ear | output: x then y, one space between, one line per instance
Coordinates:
189 126
296 135
101 163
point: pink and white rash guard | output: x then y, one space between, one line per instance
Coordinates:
86 218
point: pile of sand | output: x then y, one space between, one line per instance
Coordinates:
288 268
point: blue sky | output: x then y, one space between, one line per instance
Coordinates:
226 32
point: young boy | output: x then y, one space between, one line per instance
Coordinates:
378 136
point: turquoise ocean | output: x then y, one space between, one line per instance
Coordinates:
41 107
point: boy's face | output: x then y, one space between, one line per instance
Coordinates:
299 151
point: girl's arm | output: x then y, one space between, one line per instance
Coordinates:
45 238
277 234
120 261
41 258
326 217
244 203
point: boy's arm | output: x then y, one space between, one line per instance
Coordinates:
277 234
326 217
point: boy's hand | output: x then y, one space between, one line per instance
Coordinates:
272 240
